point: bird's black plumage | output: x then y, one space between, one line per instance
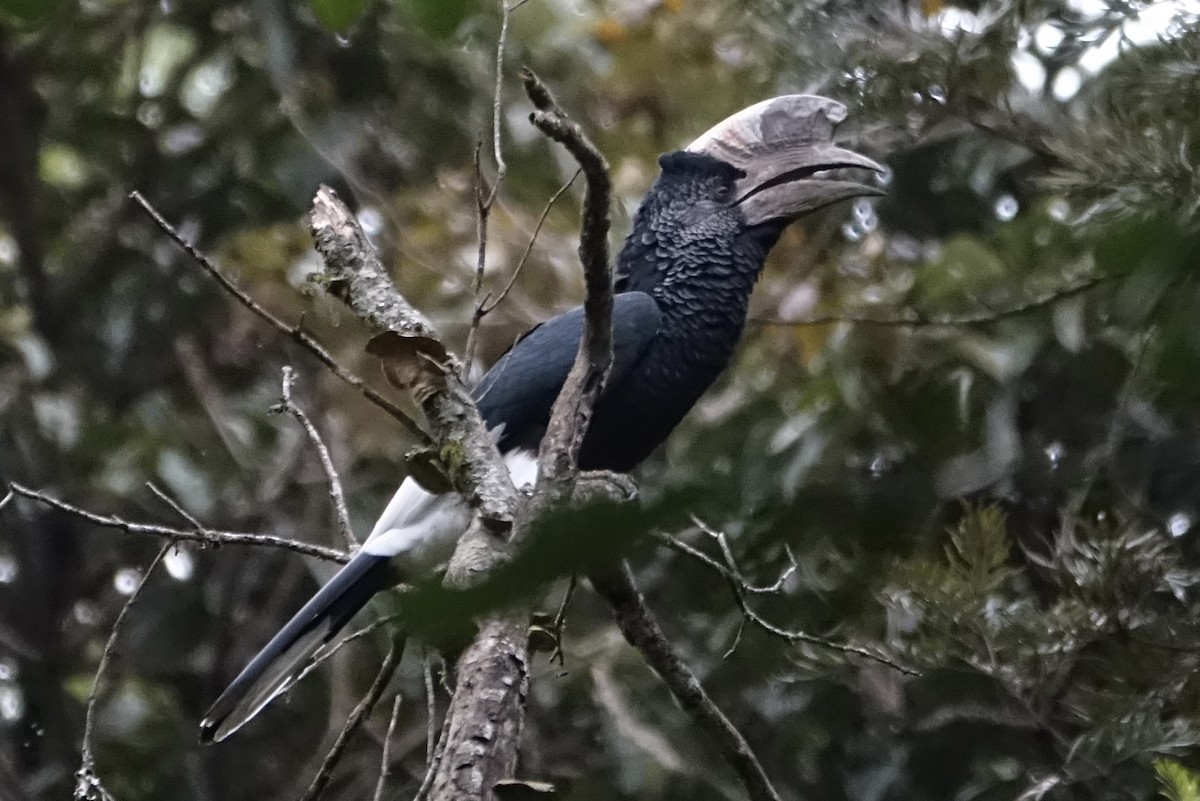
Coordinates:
684 277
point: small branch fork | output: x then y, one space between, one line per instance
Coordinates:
336 495
88 786
204 536
741 589
485 197
87 782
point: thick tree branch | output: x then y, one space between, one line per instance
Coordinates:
483 725
414 358
573 408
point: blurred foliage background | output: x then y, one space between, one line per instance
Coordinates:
969 409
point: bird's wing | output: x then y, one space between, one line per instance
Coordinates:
519 390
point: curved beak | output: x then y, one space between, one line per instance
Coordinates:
785 147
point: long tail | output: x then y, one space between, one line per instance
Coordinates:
278 664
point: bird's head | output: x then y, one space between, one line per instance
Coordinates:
743 181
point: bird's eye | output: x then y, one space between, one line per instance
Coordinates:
725 193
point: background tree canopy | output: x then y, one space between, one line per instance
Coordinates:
968 410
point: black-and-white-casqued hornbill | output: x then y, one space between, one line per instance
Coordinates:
684 276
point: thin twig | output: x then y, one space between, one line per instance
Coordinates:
7 499
326 653
175 505
740 588
86 778
430 705
434 761
485 198
982 318
203 535
294 332
560 620
355 721
385 767
486 308
336 496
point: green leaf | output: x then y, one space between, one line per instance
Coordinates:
1177 782
338 15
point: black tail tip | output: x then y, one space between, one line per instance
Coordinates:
208 731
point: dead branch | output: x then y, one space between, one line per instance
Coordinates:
294 332
414 358
485 308
336 496
485 198
385 767
355 721
204 536
88 786
741 587
572 410
430 705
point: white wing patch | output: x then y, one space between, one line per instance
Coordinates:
421 529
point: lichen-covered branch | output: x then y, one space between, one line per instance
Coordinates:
483 724
414 358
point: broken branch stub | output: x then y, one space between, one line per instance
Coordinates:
407 346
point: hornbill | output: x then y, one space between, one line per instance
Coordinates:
684 276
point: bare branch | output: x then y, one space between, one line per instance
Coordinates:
336 496
983 318
741 587
485 198
87 781
486 712
204 536
572 410
414 358
385 767
560 620
175 505
487 308
355 721
7 499
483 727
430 706
642 631
296 333
326 653
435 762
